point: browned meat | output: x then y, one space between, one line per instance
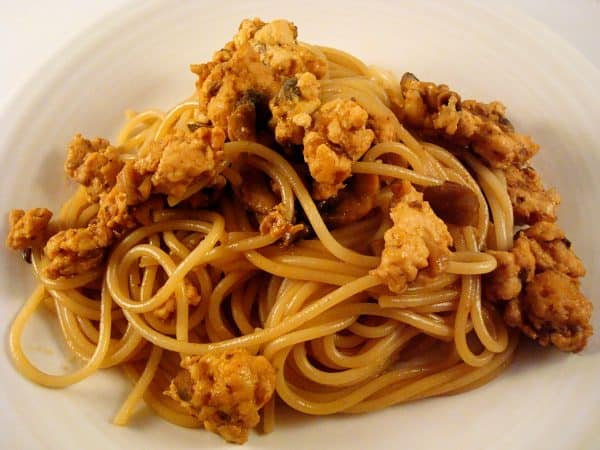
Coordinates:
27 229
416 240
293 106
93 164
552 310
539 278
453 203
182 159
484 128
552 250
531 202
225 391
337 137
169 166
75 251
258 60
515 268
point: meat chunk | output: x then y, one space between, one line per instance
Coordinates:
259 59
531 202
436 110
75 251
539 280
221 85
293 106
552 310
93 164
515 268
27 228
225 391
552 250
277 44
416 240
182 159
337 137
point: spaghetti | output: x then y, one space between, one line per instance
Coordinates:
339 339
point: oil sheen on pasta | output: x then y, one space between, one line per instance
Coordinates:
302 227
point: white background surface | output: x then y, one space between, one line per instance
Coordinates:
32 31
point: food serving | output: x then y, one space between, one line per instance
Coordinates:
302 227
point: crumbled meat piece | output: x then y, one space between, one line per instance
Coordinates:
552 250
337 137
453 203
515 268
255 192
354 202
531 202
552 310
27 228
484 128
259 59
293 106
327 167
225 391
277 44
182 159
93 164
167 308
227 82
169 166
539 280
75 251
416 240
276 225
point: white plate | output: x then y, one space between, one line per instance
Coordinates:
139 58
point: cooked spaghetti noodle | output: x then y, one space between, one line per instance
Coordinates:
339 339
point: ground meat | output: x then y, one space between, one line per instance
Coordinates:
531 202
437 111
276 225
93 164
416 240
539 280
552 310
169 166
293 106
515 268
277 44
259 59
337 137
225 391
182 159
552 250
75 251
27 229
